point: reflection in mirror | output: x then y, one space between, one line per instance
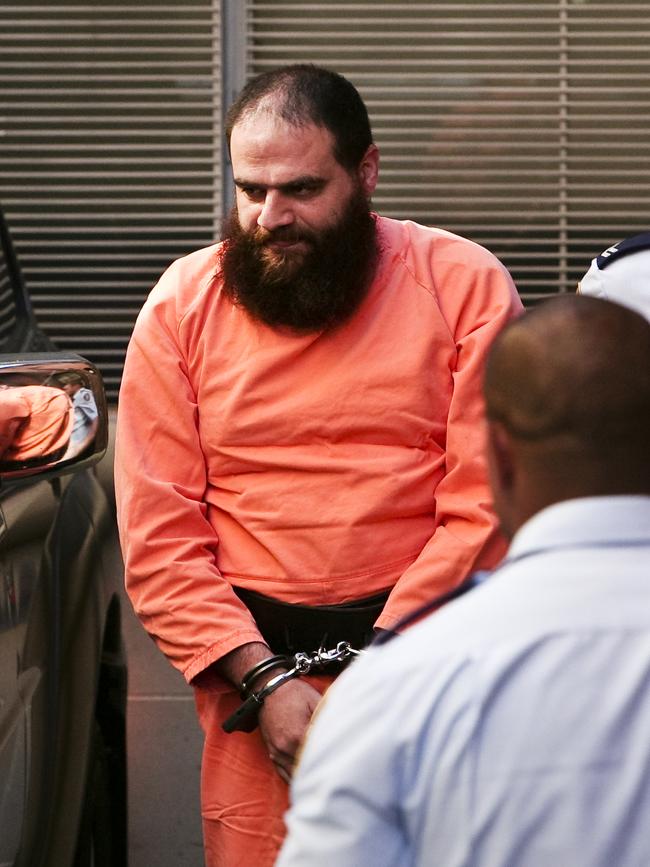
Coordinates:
35 424
84 411
49 414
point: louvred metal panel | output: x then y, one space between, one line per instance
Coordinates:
522 125
110 157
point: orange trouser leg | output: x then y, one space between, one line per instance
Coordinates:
243 799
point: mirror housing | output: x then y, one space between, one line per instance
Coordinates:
53 414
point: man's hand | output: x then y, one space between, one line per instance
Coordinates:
285 714
283 720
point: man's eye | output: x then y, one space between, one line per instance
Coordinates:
253 193
304 191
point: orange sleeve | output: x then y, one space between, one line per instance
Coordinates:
13 410
477 298
35 421
168 542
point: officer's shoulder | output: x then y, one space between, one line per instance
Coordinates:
616 252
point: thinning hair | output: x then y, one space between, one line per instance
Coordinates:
570 381
303 94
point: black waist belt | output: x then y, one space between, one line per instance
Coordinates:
290 628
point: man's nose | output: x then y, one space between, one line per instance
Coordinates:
276 211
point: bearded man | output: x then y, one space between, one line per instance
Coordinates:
299 459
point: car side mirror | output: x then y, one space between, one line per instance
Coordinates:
53 415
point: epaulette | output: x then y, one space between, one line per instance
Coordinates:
623 248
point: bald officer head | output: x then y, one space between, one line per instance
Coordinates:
567 390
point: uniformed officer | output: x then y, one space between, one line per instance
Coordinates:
85 422
622 274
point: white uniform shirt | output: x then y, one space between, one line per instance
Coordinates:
85 413
511 727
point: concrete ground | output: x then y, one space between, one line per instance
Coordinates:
164 755
164 748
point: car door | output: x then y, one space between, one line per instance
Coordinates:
27 514
62 669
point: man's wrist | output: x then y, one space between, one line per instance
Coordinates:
235 665
261 673
245 717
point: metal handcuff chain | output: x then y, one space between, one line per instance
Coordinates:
245 718
321 657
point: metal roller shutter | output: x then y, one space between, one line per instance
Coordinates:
110 152
522 125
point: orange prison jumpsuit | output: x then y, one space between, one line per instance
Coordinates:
35 421
317 468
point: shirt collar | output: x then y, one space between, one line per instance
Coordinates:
583 522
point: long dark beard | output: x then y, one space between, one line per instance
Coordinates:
307 292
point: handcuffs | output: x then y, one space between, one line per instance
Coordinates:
245 718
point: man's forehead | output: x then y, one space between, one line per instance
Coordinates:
266 134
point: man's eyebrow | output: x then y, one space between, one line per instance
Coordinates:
242 182
313 181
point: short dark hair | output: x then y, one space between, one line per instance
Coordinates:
571 380
311 94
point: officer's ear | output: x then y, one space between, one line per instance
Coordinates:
502 473
500 455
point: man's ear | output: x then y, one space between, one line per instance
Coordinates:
368 171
